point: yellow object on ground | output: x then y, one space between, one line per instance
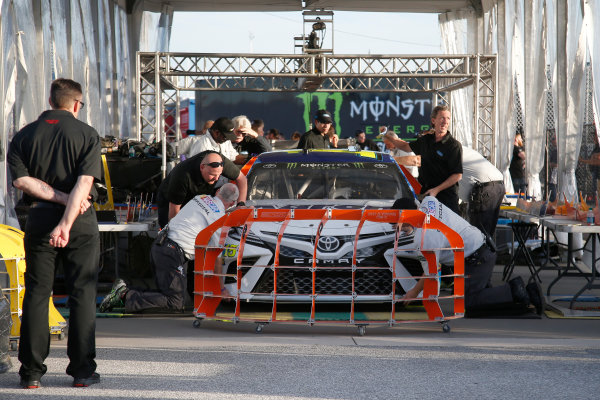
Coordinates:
12 253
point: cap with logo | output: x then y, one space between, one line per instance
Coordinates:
324 117
225 126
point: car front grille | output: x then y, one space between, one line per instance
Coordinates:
327 281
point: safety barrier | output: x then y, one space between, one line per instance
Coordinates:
207 288
12 253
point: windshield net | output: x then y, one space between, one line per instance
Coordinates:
323 180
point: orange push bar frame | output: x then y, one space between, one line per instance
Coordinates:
207 288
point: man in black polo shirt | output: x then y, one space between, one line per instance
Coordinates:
203 173
441 159
54 161
317 137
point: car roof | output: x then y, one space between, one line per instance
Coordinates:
299 155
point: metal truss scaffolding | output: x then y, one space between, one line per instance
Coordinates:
161 77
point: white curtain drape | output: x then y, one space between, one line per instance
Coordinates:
570 92
535 93
592 9
8 77
42 40
453 28
505 91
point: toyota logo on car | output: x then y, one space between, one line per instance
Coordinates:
328 243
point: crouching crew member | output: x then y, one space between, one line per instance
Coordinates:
173 247
480 258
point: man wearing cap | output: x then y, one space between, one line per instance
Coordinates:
363 142
317 137
203 173
219 138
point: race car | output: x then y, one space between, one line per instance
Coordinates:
322 179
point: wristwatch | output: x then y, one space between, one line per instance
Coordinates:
240 204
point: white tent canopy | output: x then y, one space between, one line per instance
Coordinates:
94 42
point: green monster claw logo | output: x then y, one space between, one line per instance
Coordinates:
322 99
292 165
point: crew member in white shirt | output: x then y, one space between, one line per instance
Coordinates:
172 249
219 138
482 188
480 258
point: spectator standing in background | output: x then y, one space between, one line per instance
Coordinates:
247 141
388 138
317 137
517 165
258 126
218 139
363 142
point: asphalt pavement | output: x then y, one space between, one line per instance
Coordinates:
165 357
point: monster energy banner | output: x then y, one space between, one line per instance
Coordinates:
405 113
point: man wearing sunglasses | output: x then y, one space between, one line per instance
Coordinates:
203 173
54 161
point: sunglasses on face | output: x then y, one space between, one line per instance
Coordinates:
214 164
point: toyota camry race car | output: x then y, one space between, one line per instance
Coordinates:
322 179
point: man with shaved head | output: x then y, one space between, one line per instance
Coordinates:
203 173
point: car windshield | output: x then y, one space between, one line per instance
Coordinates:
327 180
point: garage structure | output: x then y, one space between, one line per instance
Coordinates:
162 77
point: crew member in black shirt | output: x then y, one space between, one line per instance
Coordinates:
203 173
54 161
317 137
441 159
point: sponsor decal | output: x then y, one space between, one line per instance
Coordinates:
211 204
230 250
380 166
292 165
431 207
359 165
269 166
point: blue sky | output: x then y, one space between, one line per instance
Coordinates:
273 33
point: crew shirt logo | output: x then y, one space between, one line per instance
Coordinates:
52 121
431 207
211 204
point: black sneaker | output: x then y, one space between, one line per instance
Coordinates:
534 290
115 297
27 383
519 293
85 382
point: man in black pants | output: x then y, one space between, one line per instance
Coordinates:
173 247
482 189
54 161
